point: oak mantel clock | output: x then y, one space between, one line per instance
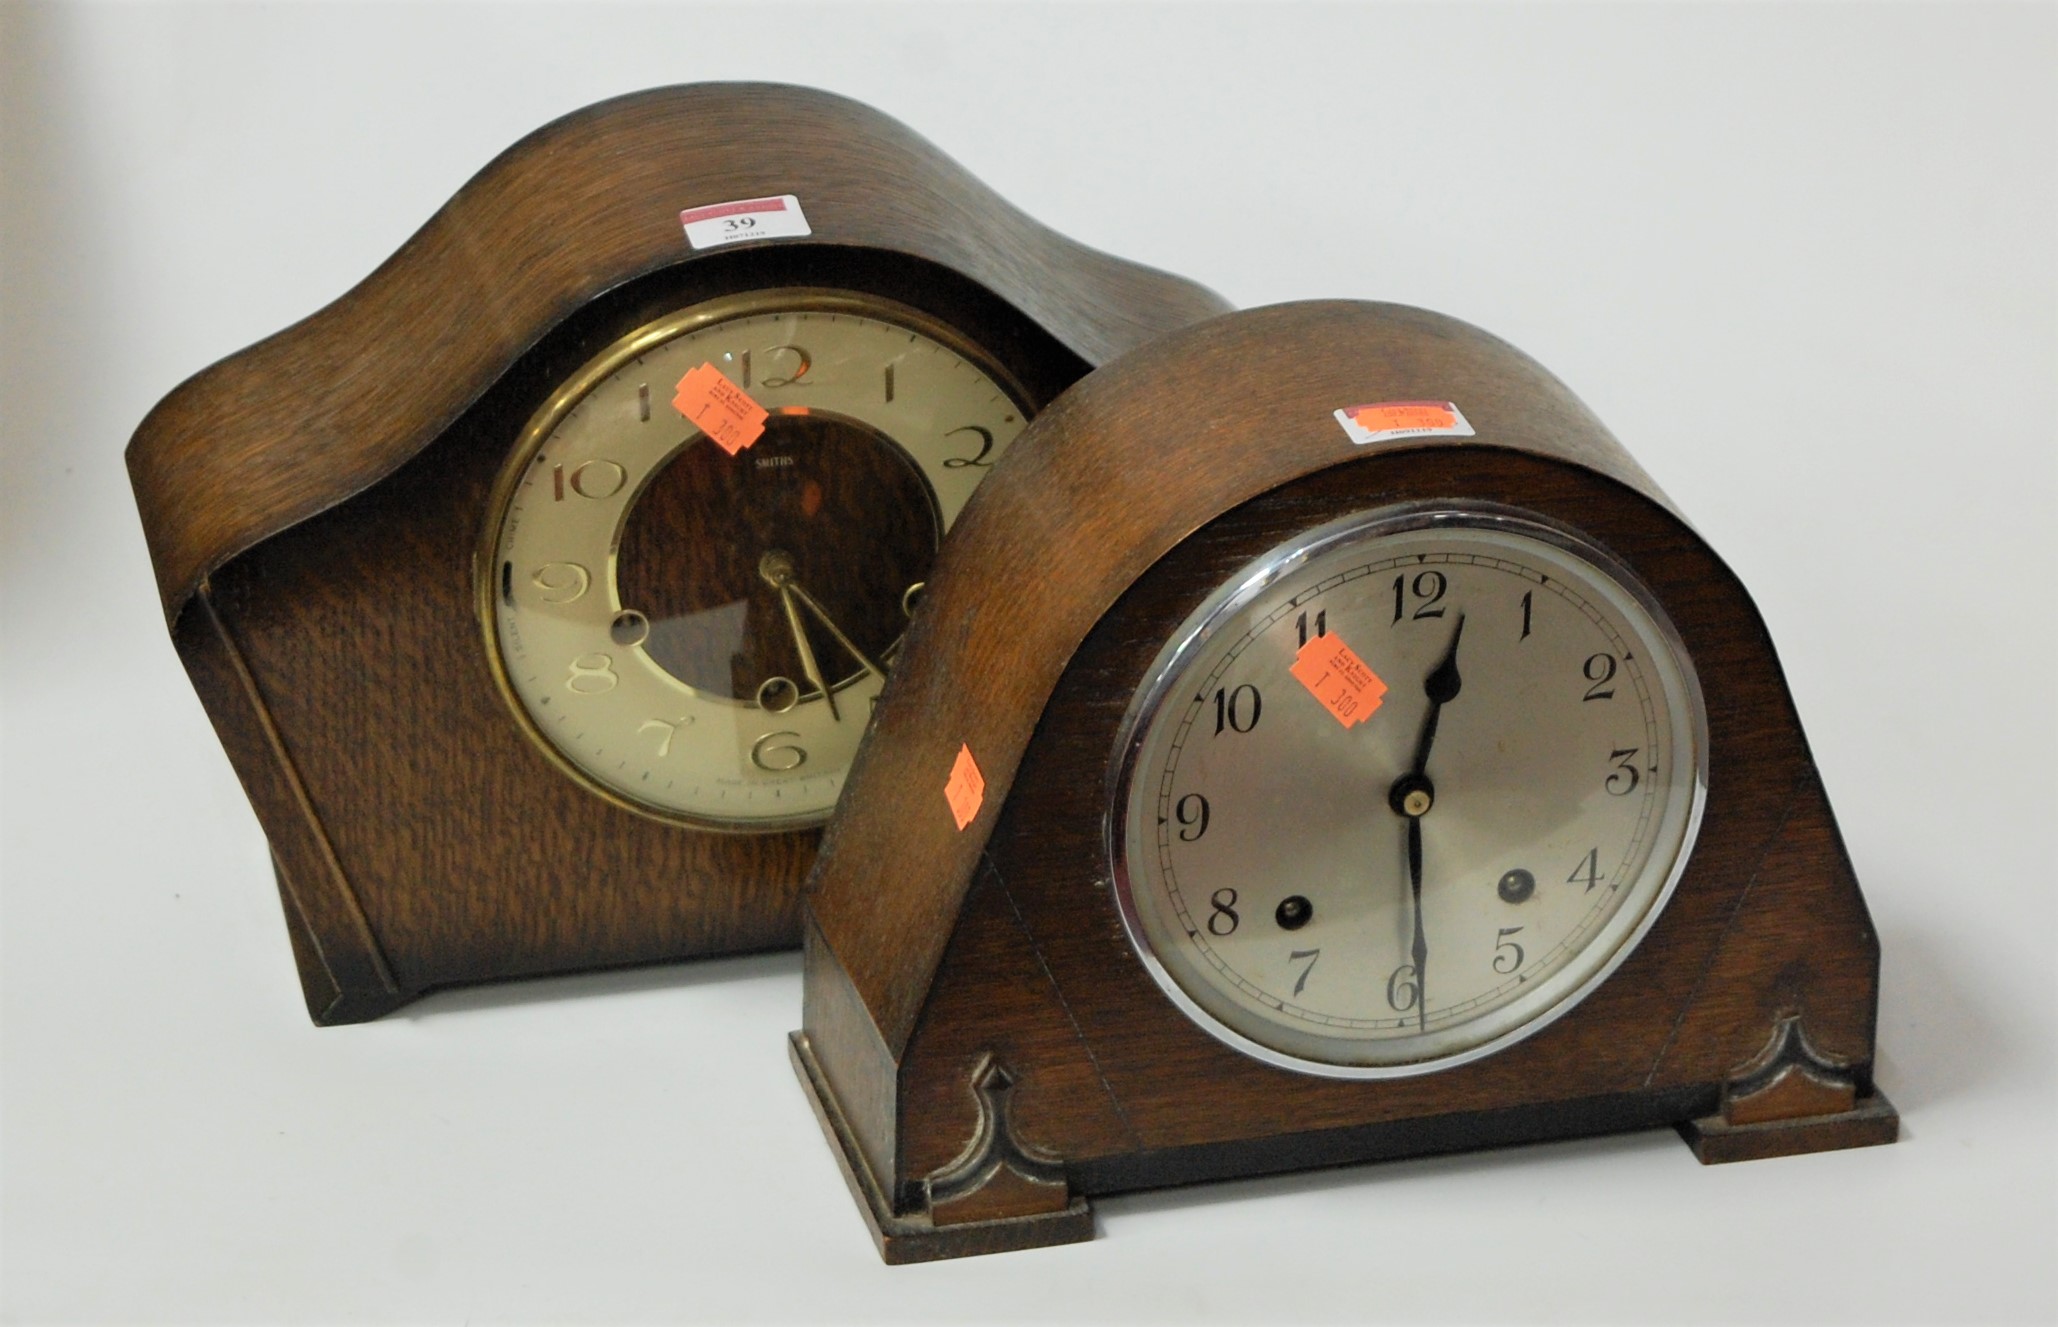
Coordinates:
1322 742
540 587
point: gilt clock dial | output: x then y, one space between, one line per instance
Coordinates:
700 633
1453 850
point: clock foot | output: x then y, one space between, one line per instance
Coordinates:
1869 1123
329 1001
959 1222
1791 1099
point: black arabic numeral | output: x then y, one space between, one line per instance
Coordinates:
1599 669
1507 955
985 446
1624 759
1232 713
1192 812
1588 872
1429 587
1321 625
1402 990
1527 597
1313 956
1225 906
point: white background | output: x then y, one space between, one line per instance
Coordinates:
1800 259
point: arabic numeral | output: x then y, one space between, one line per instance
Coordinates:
979 460
1507 955
588 479
1232 713
1224 901
1428 587
1192 812
561 582
777 759
1599 669
1623 780
1403 989
592 675
1312 955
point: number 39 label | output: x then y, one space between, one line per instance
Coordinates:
745 219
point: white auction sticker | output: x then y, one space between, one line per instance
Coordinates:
745 219
1388 420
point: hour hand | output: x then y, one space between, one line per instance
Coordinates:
777 569
850 646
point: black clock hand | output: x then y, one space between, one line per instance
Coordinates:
1411 797
1442 688
1420 952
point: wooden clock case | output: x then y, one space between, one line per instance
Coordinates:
312 505
983 1045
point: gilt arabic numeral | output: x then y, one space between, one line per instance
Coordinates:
670 730
804 363
561 582
777 759
592 675
589 479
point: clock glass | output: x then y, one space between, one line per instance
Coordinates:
1405 789
700 633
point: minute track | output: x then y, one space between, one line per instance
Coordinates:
1520 797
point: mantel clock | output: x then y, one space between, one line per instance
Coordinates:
541 586
1322 742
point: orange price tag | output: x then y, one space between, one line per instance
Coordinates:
1386 421
720 409
1404 415
965 789
1337 677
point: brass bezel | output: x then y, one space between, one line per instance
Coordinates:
707 313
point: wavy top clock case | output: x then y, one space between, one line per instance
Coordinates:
541 586
1322 741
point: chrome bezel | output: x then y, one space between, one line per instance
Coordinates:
1167 674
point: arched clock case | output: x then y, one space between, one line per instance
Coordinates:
522 671
1551 859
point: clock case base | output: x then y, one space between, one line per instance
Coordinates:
313 505
916 1237
934 956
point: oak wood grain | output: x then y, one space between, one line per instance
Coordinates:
940 950
313 505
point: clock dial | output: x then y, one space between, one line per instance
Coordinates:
1403 889
699 634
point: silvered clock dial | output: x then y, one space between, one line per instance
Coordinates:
1402 890
700 634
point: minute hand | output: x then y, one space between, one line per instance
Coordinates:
1412 796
